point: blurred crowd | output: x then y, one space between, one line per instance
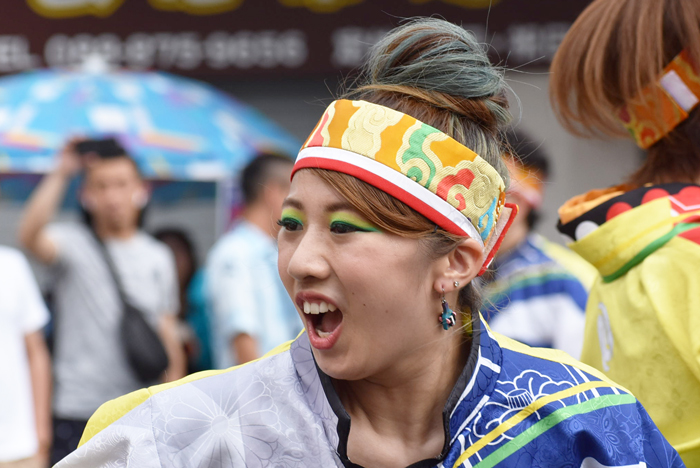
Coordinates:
127 309
229 309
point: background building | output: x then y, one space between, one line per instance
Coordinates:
288 58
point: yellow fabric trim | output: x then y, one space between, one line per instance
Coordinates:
608 257
523 414
572 262
394 139
113 410
647 324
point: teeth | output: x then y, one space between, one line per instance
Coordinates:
322 334
318 308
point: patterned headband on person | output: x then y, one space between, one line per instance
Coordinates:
526 182
415 163
664 104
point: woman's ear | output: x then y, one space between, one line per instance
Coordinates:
463 263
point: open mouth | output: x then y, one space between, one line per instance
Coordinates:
323 323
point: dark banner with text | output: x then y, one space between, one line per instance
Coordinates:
265 38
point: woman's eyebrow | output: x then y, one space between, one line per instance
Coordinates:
293 203
339 206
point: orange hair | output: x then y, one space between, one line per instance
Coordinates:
615 49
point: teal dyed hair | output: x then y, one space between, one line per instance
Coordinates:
438 73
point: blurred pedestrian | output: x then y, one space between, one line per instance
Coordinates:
25 367
631 68
536 290
251 310
90 363
194 316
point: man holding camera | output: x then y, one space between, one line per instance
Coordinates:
90 363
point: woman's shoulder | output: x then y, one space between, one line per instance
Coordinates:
171 417
202 383
257 414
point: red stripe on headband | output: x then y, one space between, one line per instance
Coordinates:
499 241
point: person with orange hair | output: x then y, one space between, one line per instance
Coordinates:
632 68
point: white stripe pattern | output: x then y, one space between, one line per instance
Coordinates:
492 365
472 415
466 391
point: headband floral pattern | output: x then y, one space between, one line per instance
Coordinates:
418 164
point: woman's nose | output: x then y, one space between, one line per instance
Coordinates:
310 258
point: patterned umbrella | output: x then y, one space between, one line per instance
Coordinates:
176 128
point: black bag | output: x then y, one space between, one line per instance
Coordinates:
144 350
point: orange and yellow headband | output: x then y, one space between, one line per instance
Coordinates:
526 182
664 104
423 167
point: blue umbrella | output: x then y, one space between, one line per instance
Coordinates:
176 128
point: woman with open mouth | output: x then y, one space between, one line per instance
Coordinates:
396 205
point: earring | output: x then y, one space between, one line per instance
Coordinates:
448 317
456 284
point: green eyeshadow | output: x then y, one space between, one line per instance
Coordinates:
294 214
343 217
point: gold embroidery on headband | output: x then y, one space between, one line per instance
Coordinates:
420 152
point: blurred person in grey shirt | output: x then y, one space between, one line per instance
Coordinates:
90 363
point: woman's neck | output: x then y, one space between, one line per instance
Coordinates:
400 411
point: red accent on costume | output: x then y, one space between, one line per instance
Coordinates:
617 209
692 235
654 194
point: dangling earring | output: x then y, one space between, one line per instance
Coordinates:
448 318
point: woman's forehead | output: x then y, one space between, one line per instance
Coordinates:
309 191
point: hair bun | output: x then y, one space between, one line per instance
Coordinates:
442 64
438 73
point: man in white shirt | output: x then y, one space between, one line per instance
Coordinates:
90 362
25 367
252 312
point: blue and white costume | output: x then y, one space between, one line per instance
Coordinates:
537 295
512 406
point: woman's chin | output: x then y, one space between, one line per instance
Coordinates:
340 366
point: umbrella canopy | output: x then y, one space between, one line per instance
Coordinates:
176 128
